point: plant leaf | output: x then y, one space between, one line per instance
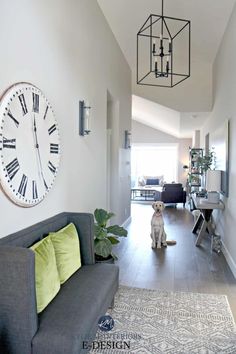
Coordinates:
117 230
113 240
114 256
102 216
99 232
103 247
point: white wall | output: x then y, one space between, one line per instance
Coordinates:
224 107
146 135
66 48
156 116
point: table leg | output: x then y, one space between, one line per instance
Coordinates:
206 224
197 223
210 229
201 232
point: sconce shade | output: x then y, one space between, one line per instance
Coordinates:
127 139
213 180
84 118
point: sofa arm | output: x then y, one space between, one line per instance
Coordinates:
19 320
84 223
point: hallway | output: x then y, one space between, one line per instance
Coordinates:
183 267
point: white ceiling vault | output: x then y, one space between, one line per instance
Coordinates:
208 18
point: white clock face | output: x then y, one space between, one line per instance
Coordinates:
29 145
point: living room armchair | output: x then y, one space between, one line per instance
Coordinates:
171 193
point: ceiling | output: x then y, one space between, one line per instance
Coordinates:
208 18
180 125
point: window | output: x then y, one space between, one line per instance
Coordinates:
154 160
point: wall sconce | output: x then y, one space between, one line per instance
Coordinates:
127 139
84 115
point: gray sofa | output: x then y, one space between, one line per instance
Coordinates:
171 193
71 319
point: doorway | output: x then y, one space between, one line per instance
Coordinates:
112 185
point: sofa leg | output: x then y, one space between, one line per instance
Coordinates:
184 205
112 303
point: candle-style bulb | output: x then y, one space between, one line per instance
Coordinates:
161 44
156 67
170 46
167 65
154 47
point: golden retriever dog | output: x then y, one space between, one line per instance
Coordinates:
158 234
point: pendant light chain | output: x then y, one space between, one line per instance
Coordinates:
162 55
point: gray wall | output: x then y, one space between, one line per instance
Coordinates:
224 107
66 48
146 135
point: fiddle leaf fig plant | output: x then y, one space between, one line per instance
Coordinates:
105 237
207 161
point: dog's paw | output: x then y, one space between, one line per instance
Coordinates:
158 246
153 245
164 244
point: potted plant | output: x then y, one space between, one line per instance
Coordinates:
105 237
206 162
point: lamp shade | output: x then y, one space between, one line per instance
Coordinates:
213 180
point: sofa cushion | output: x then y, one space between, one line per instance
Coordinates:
72 316
67 251
47 280
152 181
143 180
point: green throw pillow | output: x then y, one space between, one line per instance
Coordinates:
67 251
46 273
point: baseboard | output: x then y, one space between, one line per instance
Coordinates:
127 222
229 259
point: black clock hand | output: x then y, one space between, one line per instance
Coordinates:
35 134
38 153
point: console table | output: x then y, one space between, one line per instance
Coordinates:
204 220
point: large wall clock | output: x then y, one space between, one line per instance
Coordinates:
29 144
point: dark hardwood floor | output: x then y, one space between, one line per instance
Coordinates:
183 267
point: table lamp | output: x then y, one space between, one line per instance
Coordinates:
213 186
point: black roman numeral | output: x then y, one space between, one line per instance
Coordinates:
44 117
45 184
13 118
52 129
23 104
9 143
35 102
23 185
34 189
54 148
12 168
51 167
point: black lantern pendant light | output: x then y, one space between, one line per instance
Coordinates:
163 51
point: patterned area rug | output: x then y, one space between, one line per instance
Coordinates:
150 321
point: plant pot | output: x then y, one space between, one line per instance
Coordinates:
108 260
